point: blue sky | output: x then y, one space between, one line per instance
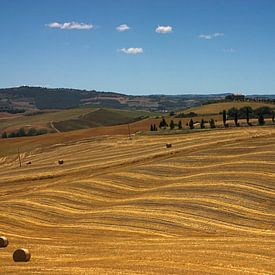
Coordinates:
171 46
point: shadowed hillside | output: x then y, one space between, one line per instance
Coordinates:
100 117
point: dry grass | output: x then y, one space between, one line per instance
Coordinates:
120 206
216 108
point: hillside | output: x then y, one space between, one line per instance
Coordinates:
134 207
100 117
217 108
71 119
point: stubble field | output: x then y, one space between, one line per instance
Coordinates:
120 206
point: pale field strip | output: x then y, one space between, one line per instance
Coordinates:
119 206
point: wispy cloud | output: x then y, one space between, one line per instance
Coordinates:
164 29
229 50
70 26
211 35
132 50
122 28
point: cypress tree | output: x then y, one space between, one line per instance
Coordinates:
247 116
212 123
261 119
236 119
172 125
191 124
202 124
180 125
224 118
151 128
273 117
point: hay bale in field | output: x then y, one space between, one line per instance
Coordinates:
21 255
168 145
29 163
61 161
4 241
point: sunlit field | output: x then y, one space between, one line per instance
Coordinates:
121 206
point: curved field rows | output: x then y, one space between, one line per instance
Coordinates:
119 206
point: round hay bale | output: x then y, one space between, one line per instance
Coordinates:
168 145
21 255
4 241
61 161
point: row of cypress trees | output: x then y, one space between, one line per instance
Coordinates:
261 119
172 125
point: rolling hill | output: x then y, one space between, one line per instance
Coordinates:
101 117
120 206
71 119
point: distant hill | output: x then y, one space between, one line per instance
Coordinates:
39 98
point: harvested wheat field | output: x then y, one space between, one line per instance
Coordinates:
120 206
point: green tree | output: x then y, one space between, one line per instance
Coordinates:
180 125
11 135
21 132
155 127
261 120
273 117
202 124
231 112
191 124
32 132
151 128
172 125
4 135
212 123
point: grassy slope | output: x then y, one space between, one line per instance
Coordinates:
133 207
72 119
42 120
100 117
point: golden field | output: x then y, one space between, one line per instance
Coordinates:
216 108
120 206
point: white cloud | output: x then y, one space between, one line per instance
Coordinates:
70 26
132 50
229 50
164 29
218 34
211 35
122 28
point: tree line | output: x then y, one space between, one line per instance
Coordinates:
243 113
22 133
